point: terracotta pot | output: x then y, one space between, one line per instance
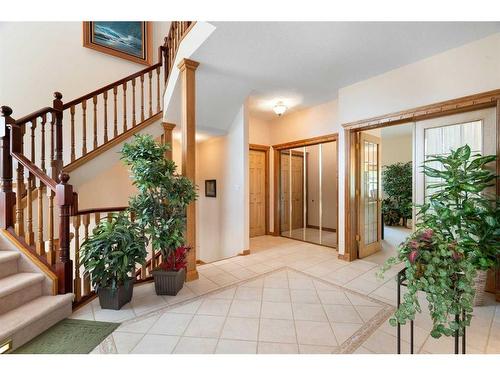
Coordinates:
169 282
115 298
479 286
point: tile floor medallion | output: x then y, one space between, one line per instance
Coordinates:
282 311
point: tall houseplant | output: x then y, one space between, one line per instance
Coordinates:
397 185
110 256
160 206
457 235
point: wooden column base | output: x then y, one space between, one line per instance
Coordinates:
192 275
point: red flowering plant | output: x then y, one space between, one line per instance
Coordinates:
176 260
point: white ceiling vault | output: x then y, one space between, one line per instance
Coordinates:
305 63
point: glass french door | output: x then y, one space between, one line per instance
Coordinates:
440 135
369 195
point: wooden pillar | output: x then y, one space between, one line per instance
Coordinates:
7 196
188 125
167 138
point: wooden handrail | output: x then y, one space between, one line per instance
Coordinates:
34 115
35 143
111 85
32 168
100 210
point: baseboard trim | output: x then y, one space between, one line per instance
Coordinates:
245 252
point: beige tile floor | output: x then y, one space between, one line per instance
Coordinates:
278 314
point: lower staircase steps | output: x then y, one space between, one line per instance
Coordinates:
25 311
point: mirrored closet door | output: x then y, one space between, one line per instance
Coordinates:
308 198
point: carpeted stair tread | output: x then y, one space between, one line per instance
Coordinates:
18 281
29 312
7 256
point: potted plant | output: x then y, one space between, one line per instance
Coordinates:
160 208
110 256
465 210
397 186
457 235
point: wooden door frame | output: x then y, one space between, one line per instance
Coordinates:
265 149
277 173
488 99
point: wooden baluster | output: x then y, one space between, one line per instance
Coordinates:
40 245
16 144
64 265
29 234
110 217
142 98
94 100
86 276
84 127
7 195
77 287
58 161
97 218
50 243
134 122
105 96
115 112
72 117
124 107
150 76
52 144
158 90
42 146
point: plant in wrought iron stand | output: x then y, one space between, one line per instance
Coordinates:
160 208
458 234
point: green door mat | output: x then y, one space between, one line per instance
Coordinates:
69 336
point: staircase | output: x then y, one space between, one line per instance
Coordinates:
41 225
27 306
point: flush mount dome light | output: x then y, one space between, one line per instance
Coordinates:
280 108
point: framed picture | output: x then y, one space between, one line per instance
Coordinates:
130 40
210 188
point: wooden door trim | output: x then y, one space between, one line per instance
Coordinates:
266 150
488 99
307 142
277 172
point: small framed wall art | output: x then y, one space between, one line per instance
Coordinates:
211 188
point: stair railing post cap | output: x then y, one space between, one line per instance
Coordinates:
6 111
58 95
64 178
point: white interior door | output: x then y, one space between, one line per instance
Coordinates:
439 135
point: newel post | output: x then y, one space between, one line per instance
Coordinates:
7 196
64 265
57 163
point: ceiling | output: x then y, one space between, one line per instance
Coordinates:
305 63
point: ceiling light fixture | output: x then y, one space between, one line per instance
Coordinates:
280 108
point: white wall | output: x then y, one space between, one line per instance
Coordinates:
396 149
39 58
223 221
461 71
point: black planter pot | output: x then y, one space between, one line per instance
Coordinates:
114 299
169 282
